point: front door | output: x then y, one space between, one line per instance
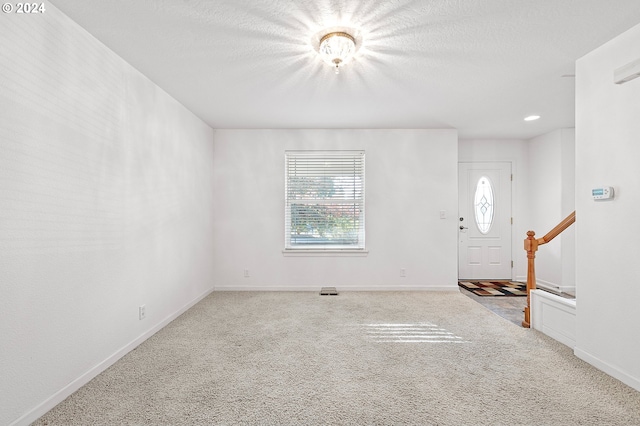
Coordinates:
484 234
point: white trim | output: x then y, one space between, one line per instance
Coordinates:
549 284
512 211
49 403
346 164
568 289
555 316
554 287
614 372
571 289
338 287
324 253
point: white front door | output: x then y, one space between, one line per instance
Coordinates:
484 234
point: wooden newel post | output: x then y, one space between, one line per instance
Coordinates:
531 246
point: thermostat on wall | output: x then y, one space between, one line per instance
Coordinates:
602 193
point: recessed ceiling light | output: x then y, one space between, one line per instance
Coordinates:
531 118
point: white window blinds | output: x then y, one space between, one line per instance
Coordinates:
324 200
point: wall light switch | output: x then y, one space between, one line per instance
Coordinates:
443 214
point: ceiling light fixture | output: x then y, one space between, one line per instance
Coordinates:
531 118
337 48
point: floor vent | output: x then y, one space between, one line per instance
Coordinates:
328 291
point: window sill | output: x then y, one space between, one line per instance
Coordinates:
325 253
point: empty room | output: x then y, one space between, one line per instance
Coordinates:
319 212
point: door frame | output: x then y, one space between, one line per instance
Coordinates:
513 272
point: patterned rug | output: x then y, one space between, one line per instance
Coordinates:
495 288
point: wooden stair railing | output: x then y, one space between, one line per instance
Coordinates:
531 246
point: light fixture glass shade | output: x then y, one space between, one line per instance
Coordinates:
336 49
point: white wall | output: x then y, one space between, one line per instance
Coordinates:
607 153
551 199
410 176
105 205
515 152
568 205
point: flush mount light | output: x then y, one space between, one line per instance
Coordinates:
336 48
532 118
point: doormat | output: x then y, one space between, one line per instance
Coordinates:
495 288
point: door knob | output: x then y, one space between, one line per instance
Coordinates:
463 227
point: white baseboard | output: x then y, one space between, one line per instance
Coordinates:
549 284
615 372
41 409
555 287
339 288
552 286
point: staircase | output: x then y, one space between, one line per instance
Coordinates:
552 314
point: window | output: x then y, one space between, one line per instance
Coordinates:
483 204
324 200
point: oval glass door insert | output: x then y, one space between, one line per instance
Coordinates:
483 203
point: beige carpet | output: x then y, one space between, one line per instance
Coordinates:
420 358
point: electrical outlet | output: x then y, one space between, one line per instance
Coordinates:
142 312
246 273
403 272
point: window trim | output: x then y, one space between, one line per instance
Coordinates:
328 249
300 252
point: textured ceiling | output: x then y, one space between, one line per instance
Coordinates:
479 66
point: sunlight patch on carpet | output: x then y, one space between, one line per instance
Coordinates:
410 333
